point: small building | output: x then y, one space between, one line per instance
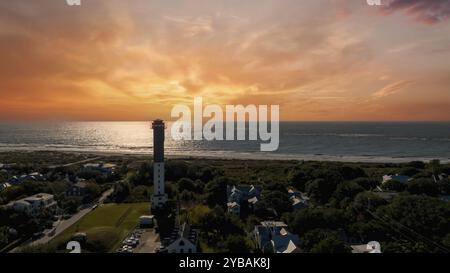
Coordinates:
35 204
77 190
274 237
147 221
183 240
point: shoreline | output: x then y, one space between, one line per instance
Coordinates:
222 155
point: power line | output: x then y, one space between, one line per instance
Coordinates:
416 234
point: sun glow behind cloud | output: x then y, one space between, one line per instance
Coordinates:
134 60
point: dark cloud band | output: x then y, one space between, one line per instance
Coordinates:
425 11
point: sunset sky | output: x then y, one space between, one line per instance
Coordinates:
135 59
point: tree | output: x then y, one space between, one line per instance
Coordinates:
278 200
323 241
367 183
435 166
92 192
143 176
425 215
446 240
393 185
261 210
352 172
423 186
186 184
444 186
235 244
221 224
417 164
409 171
121 191
304 220
299 176
320 190
4 237
331 245
176 170
364 201
216 192
70 205
346 191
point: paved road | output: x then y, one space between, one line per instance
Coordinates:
81 162
62 225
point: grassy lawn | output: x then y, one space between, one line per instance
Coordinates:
107 225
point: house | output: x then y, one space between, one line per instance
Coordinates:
252 201
35 204
274 237
4 186
371 247
299 203
183 240
77 190
17 180
243 193
36 176
397 177
298 199
234 208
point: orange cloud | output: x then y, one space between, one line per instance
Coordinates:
133 60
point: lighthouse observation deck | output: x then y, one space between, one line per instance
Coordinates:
158 127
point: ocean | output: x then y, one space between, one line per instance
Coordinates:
341 141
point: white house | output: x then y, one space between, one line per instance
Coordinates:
35 204
184 240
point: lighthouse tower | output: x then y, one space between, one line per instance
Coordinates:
159 197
